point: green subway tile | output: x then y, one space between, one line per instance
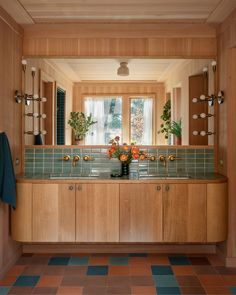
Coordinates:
49 151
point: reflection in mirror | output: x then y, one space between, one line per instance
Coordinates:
158 103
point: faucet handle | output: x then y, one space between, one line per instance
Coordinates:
65 158
162 158
87 158
173 158
76 158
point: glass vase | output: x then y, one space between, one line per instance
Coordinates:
124 169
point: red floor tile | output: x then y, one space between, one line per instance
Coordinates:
140 271
143 290
211 280
183 270
70 290
118 270
16 270
49 281
217 290
8 281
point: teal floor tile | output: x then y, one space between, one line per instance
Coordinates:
119 260
179 260
101 270
232 290
168 291
26 281
78 261
4 290
59 261
165 281
161 270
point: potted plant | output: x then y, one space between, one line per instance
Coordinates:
166 117
80 124
125 154
176 130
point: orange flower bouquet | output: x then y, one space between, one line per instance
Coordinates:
124 153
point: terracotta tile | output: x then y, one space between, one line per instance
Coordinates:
225 270
192 290
70 290
75 281
95 290
49 281
143 290
33 270
158 259
217 290
229 280
215 260
44 291
8 281
118 270
138 261
39 260
204 270
140 271
23 261
54 270
142 281
186 270
126 290
96 281
16 270
21 290
211 280
188 281
118 280
99 260
75 271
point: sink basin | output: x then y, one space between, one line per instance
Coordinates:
72 176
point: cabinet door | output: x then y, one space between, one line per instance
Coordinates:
184 211
140 213
21 218
53 213
97 213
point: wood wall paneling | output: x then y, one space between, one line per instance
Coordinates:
10 121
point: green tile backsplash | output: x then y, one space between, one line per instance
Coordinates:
48 160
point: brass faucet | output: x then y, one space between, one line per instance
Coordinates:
76 158
87 158
173 158
162 158
65 158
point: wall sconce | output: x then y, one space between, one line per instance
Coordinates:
202 116
205 71
213 64
210 99
202 133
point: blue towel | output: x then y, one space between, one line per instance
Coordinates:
7 175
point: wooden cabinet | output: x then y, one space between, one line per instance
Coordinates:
184 212
140 213
97 213
53 213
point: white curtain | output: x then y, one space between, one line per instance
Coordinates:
96 131
147 128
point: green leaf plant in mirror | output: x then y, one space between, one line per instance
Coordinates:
80 123
176 129
166 117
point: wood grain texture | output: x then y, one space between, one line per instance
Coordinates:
53 213
10 122
140 213
184 213
217 207
97 213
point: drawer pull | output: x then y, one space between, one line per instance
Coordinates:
167 188
79 188
71 187
158 188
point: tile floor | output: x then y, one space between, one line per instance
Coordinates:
119 274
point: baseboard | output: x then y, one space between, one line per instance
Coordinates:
10 263
119 248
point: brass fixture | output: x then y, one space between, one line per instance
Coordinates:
76 158
152 158
162 158
65 158
173 158
87 158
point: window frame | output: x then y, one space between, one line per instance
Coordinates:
126 111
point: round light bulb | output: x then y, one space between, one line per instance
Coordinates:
195 116
43 99
205 69
202 97
213 63
24 62
203 115
33 69
36 96
43 116
43 132
194 100
35 115
36 132
203 133
195 132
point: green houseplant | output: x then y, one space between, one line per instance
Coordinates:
166 117
80 124
176 129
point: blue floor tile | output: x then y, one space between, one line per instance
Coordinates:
26 281
119 260
59 261
79 261
4 290
179 260
233 290
161 270
165 281
138 254
168 291
101 270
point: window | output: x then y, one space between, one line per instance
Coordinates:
130 117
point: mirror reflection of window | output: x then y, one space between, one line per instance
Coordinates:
107 111
141 120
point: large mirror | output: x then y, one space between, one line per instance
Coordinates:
147 101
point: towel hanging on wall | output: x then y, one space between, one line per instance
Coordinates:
7 175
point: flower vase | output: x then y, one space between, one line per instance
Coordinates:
124 169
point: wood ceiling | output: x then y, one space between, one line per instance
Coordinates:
51 11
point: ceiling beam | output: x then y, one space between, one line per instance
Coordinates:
222 11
